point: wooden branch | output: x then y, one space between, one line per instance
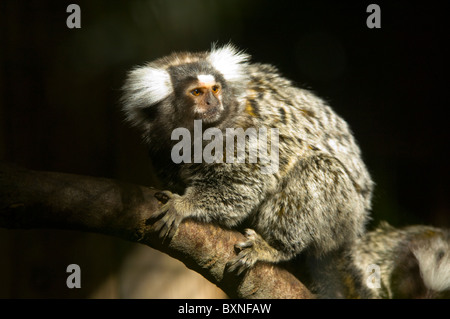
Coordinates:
33 199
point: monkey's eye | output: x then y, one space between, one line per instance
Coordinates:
215 88
196 92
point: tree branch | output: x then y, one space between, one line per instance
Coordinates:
33 199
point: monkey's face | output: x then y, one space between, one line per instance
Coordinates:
174 91
205 99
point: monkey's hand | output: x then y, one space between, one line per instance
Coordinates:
250 251
169 216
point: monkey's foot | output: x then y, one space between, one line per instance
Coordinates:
168 217
250 251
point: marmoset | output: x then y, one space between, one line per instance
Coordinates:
318 198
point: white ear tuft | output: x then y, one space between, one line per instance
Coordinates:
229 62
145 86
149 84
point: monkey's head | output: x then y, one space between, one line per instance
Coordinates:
175 90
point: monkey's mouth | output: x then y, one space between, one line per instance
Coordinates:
210 115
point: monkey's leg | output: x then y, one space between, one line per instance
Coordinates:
317 208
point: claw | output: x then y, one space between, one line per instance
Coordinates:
243 262
167 217
159 225
243 244
247 256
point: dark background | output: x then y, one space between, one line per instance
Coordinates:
59 92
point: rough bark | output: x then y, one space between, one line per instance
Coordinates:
35 199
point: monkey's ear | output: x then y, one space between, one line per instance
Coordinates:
149 84
229 61
144 87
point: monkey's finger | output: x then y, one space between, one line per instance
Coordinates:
170 227
163 196
250 233
232 266
166 231
243 244
153 219
241 269
159 225
166 227
235 265
164 234
245 264
239 266
174 227
160 213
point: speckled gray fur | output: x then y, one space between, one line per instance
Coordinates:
317 202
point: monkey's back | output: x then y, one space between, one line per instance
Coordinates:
306 125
